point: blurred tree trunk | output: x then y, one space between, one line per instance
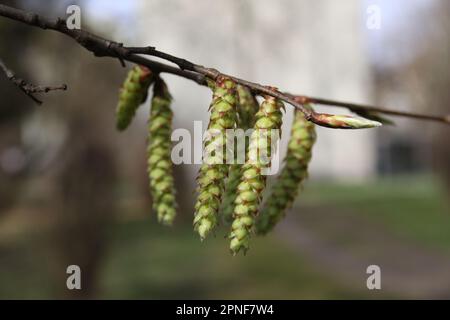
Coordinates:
14 106
86 207
85 173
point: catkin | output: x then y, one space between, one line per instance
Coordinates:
246 110
212 175
132 94
159 163
294 172
252 184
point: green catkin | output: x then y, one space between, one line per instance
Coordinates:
294 172
132 94
212 174
252 184
247 108
159 164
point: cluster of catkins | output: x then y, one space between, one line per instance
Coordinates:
228 191
235 191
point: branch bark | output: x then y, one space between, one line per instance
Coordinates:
28 88
102 47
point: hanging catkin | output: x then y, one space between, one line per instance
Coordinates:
247 108
132 94
214 170
159 164
253 181
294 172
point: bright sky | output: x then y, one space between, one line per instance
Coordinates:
104 9
401 27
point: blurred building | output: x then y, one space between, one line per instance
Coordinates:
279 43
411 73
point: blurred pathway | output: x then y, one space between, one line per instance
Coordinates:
343 244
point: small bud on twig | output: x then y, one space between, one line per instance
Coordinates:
343 121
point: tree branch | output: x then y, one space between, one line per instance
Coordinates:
357 108
101 47
26 87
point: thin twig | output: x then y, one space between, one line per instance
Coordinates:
354 107
102 47
26 87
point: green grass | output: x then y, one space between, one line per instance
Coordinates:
416 208
24 269
148 261
155 262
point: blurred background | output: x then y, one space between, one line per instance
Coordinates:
74 191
